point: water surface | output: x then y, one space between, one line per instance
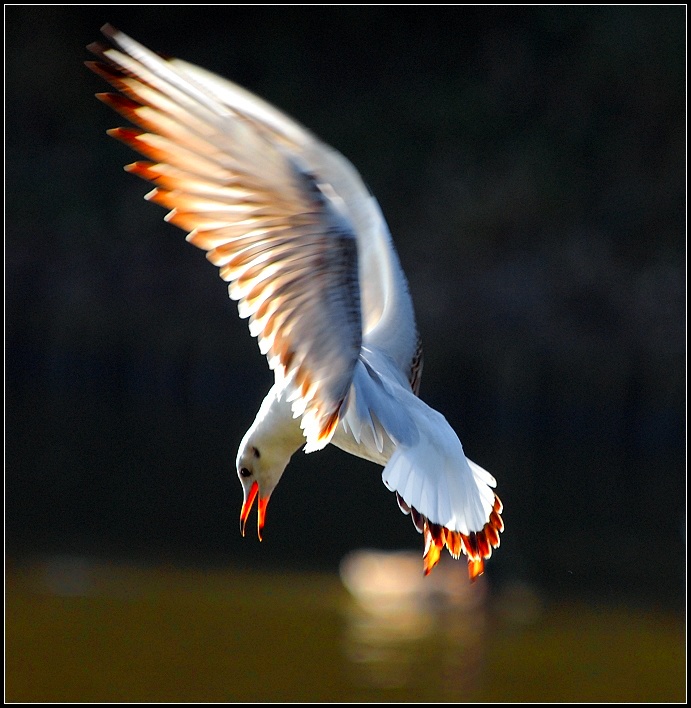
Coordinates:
81 630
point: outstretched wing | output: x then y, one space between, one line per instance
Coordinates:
279 234
388 318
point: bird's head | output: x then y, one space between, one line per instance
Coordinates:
259 469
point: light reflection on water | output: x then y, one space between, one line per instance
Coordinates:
84 630
398 616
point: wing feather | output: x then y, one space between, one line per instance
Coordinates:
387 309
283 239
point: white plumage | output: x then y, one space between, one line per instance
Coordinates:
308 256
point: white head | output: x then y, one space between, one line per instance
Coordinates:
264 453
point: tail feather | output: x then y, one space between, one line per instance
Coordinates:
435 477
450 498
477 546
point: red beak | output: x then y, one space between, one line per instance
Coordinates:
247 507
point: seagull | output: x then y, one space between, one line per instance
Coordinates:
309 258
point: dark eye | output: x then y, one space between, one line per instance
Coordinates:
244 472
255 452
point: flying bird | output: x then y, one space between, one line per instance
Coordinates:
309 258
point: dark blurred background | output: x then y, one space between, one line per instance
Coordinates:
531 165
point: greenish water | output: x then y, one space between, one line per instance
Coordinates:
78 630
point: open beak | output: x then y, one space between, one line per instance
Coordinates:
250 496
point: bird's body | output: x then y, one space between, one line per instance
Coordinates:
309 257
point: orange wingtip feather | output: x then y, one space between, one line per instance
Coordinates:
498 506
151 120
145 170
127 135
161 150
192 207
453 543
496 521
477 545
492 535
105 71
433 547
126 107
136 139
329 427
189 221
431 558
483 546
475 569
